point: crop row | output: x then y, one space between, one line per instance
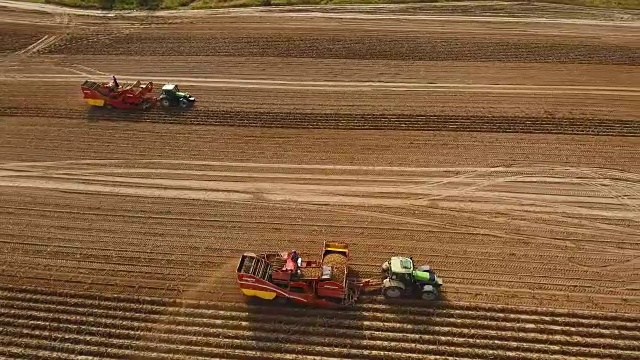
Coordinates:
34 348
182 282
293 342
194 266
165 224
557 316
224 289
110 250
98 275
469 123
106 285
66 241
10 42
120 263
411 48
412 313
113 249
119 260
368 327
58 267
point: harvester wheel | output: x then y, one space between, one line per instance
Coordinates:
281 300
146 105
392 292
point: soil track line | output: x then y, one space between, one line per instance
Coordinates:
74 180
344 86
532 168
43 43
504 19
31 48
91 70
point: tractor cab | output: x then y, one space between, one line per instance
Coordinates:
171 96
401 269
402 279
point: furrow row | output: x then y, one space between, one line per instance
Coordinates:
334 44
68 242
412 312
293 344
511 124
41 348
357 329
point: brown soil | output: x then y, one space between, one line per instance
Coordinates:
503 154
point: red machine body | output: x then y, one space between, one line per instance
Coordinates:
277 276
128 96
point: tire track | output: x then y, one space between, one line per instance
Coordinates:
340 85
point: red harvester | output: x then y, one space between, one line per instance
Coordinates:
285 277
325 284
112 95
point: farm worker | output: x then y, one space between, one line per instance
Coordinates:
113 86
295 258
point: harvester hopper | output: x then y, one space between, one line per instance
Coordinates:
285 277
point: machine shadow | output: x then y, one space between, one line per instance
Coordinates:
374 328
160 115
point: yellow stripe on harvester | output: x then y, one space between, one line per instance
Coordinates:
332 246
95 102
267 295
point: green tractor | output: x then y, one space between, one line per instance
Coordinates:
402 280
171 96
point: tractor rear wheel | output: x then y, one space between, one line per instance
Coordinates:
165 103
392 292
429 295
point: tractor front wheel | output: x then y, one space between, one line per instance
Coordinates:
392 292
385 267
184 103
425 268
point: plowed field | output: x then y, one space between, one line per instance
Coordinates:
498 142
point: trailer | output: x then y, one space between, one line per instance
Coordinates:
285 277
